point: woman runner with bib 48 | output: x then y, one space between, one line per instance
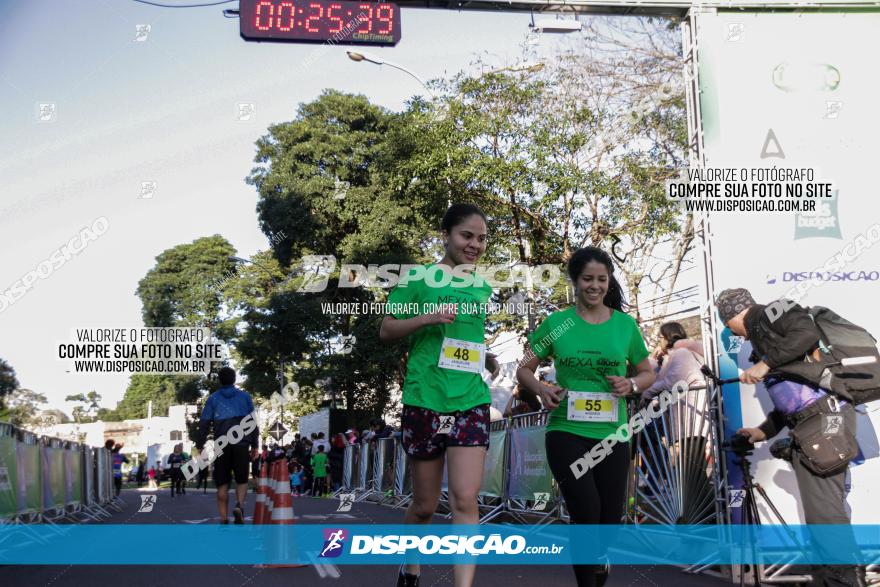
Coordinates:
445 400
592 345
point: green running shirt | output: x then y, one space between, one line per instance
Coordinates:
319 464
428 385
584 354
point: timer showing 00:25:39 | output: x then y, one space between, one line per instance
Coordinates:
313 20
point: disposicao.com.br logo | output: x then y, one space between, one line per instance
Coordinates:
315 271
472 545
334 542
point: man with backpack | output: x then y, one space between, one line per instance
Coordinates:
781 343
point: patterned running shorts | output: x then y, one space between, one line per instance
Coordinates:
421 429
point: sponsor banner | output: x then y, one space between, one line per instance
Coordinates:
797 104
529 471
440 544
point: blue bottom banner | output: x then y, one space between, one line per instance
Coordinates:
436 544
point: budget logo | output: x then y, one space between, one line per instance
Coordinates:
333 542
821 222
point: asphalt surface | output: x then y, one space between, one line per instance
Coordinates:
197 507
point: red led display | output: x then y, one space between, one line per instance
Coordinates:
339 21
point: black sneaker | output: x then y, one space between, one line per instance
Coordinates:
602 574
238 514
407 579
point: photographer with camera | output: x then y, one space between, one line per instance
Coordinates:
822 429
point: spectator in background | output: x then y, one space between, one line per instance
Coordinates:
151 474
203 479
678 358
352 436
522 401
296 485
336 458
140 474
382 429
319 468
118 459
175 462
321 441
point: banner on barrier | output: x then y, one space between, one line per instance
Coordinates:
88 477
8 477
30 478
53 478
529 471
73 493
493 469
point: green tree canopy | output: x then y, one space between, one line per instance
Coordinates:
163 390
22 408
8 381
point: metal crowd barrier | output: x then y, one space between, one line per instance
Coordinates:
670 479
49 480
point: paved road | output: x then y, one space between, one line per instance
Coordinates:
198 507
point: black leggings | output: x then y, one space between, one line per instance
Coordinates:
598 496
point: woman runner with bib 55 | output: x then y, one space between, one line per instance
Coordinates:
592 345
441 309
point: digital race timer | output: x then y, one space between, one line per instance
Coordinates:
340 21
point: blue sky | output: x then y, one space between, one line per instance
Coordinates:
162 110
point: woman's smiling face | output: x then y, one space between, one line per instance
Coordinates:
592 283
466 243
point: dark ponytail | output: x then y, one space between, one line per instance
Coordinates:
672 332
614 295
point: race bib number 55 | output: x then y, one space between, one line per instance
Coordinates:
592 406
461 355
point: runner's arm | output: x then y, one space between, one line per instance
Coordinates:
550 395
394 329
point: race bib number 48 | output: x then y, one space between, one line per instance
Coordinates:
461 355
591 406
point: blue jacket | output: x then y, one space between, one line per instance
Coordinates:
226 408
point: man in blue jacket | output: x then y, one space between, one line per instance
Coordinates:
230 411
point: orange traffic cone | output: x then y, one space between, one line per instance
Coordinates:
282 500
270 493
281 512
262 483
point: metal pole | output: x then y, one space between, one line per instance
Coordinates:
281 391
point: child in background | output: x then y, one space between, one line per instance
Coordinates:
319 464
296 481
306 481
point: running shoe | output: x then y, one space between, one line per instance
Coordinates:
602 575
238 514
406 579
